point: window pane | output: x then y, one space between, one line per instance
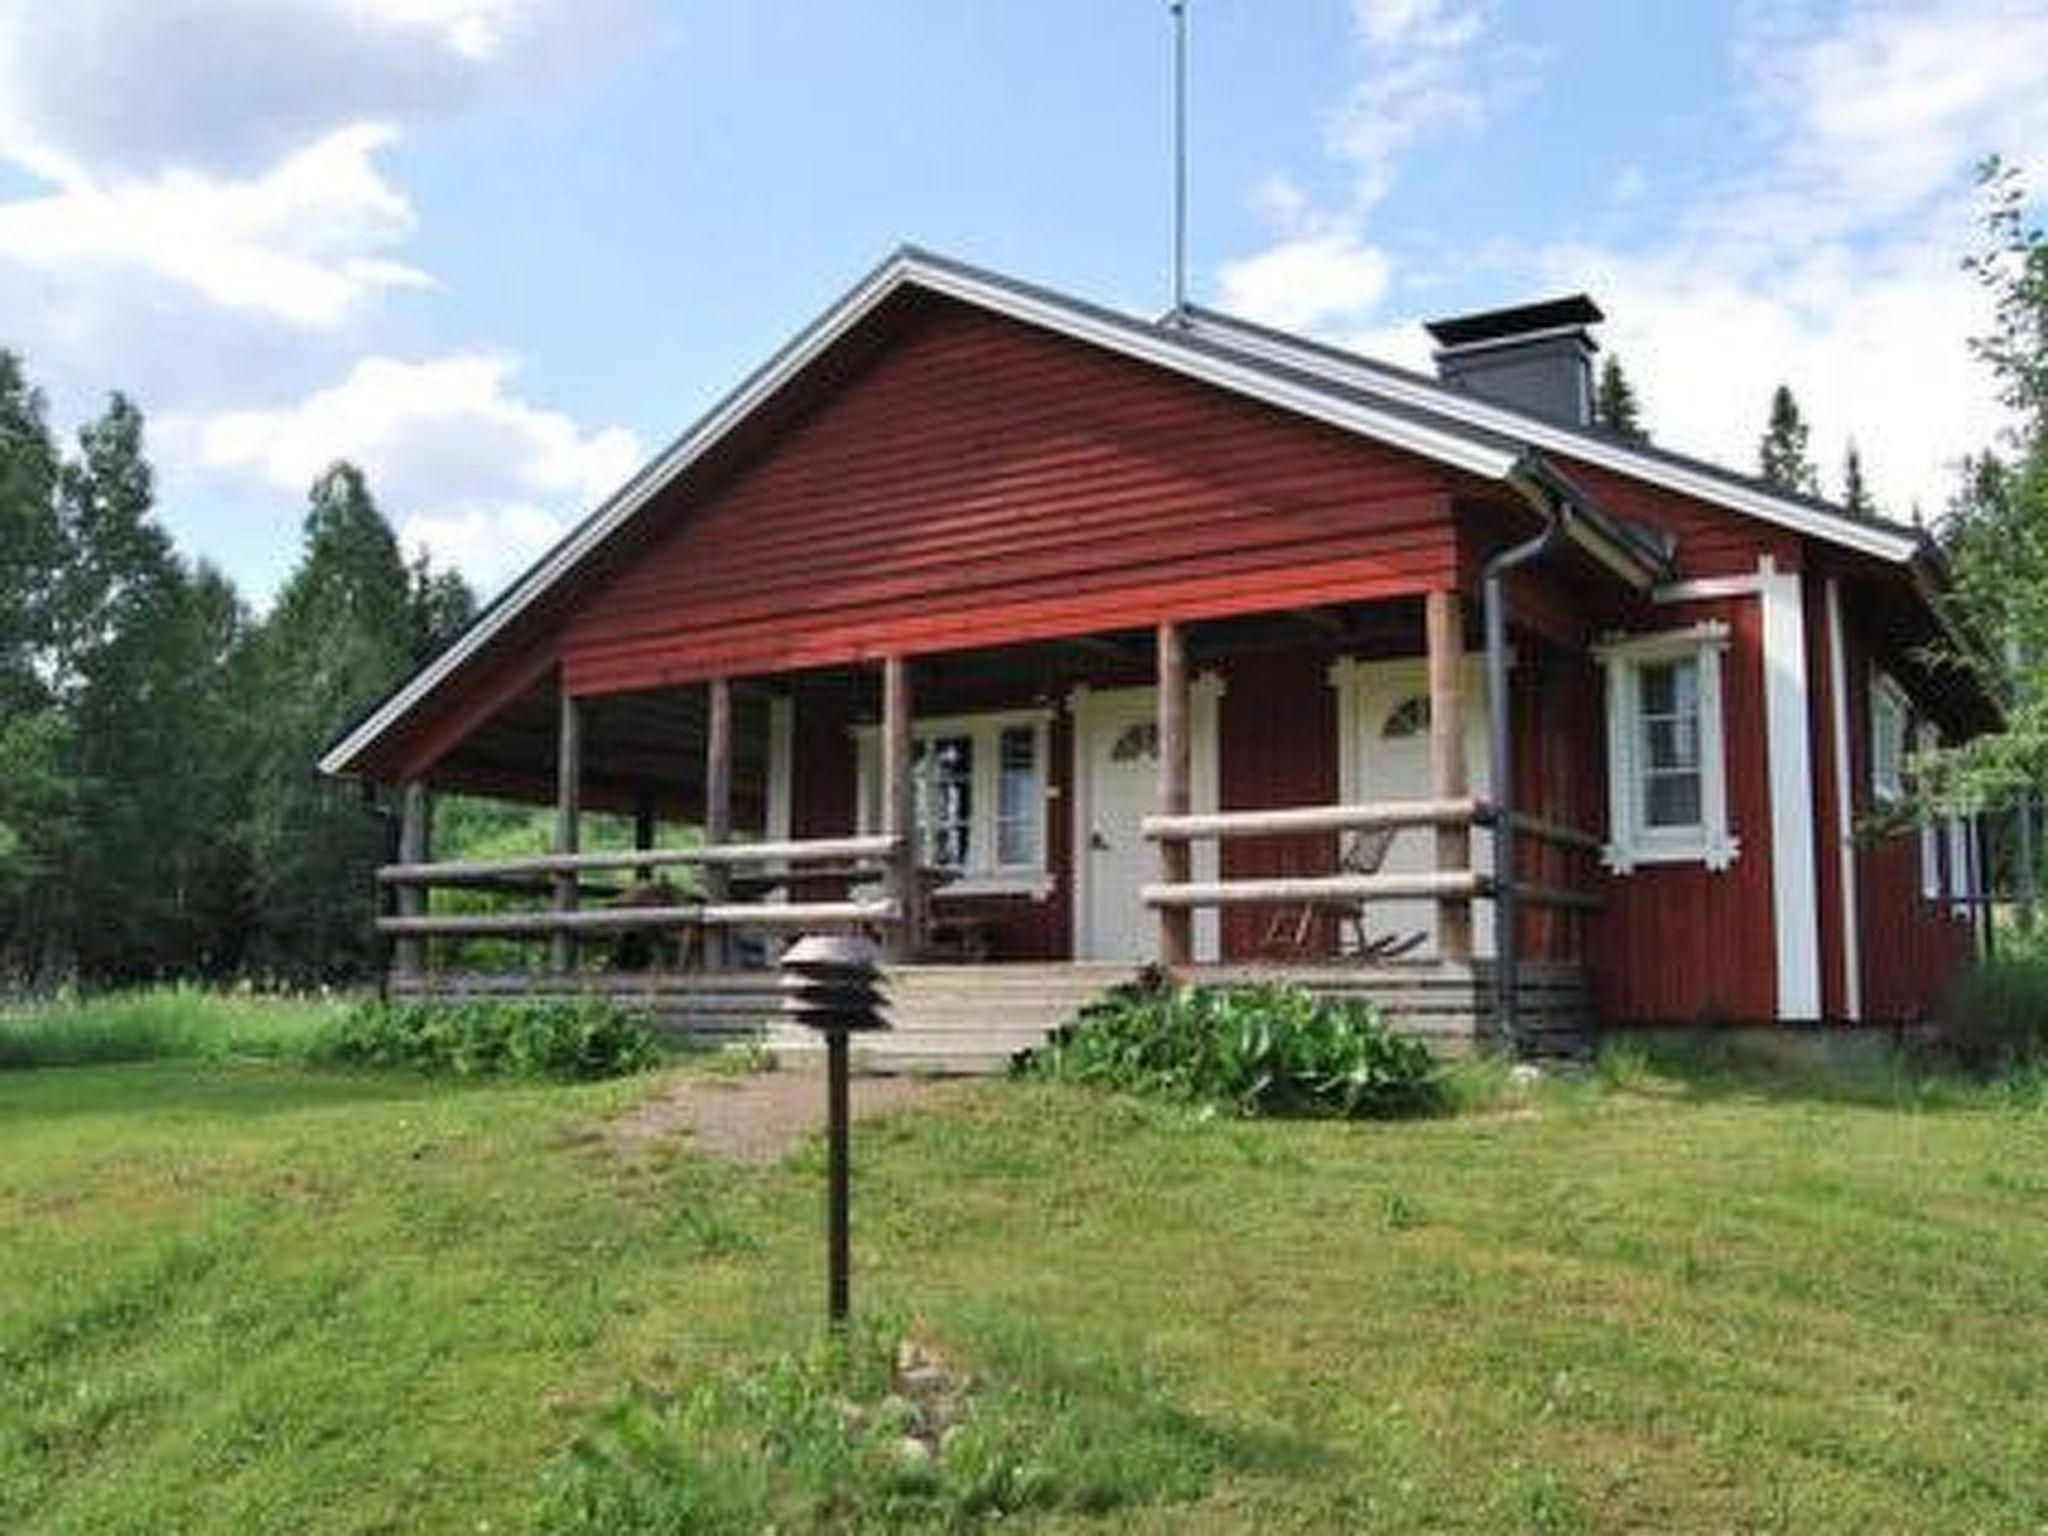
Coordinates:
1672 800
1019 798
943 767
1671 744
1671 688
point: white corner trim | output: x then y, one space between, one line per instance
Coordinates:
1795 902
1845 808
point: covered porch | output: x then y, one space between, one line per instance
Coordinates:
1304 794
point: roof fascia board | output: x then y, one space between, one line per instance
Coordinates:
1878 542
1135 339
626 501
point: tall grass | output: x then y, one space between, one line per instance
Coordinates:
158 1024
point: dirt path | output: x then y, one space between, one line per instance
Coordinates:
756 1119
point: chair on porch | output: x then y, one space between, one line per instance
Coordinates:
1291 932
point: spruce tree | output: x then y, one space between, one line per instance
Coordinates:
1856 498
350 623
1782 456
1615 406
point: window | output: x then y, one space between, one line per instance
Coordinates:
1667 789
980 790
1668 721
1889 723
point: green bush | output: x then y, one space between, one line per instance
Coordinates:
561 1040
1262 1050
845 1438
1995 1016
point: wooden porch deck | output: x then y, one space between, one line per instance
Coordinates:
975 1019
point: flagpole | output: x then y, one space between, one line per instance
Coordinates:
1180 154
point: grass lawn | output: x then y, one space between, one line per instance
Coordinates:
243 1295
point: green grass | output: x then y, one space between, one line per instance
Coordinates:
238 1294
158 1024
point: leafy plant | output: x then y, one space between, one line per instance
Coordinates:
1261 1050
558 1039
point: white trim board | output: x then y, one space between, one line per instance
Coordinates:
1795 900
1845 808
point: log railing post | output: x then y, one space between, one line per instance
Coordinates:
717 807
899 808
1444 621
1176 864
568 820
646 824
414 838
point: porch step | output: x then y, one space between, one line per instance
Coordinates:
964 1019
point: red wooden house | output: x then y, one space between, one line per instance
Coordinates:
1045 641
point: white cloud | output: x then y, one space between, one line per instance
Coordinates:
1831 262
1307 282
1416 82
466 467
305 241
133 86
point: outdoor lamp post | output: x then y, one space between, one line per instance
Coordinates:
833 985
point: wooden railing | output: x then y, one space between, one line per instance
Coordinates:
1385 815
779 866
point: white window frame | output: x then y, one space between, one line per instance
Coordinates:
981 875
1888 701
1630 842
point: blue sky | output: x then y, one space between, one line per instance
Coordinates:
499 250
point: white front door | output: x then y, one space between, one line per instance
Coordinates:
1387 756
1116 778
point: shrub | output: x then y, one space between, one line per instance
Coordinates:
1261 1050
562 1040
1995 1016
873 1434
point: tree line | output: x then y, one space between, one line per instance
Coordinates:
159 811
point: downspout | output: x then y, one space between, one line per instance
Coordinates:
1500 732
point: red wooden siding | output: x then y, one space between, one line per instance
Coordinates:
1680 942
1712 541
1910 947
984 483
1276 747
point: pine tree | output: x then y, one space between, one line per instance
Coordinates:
1615 406
1856 498
1782 456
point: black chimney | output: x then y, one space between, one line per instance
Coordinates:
1534 357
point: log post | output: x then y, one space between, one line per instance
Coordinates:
899 807
1176 924
717 807
415 836
645 828
1444 622
568 820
